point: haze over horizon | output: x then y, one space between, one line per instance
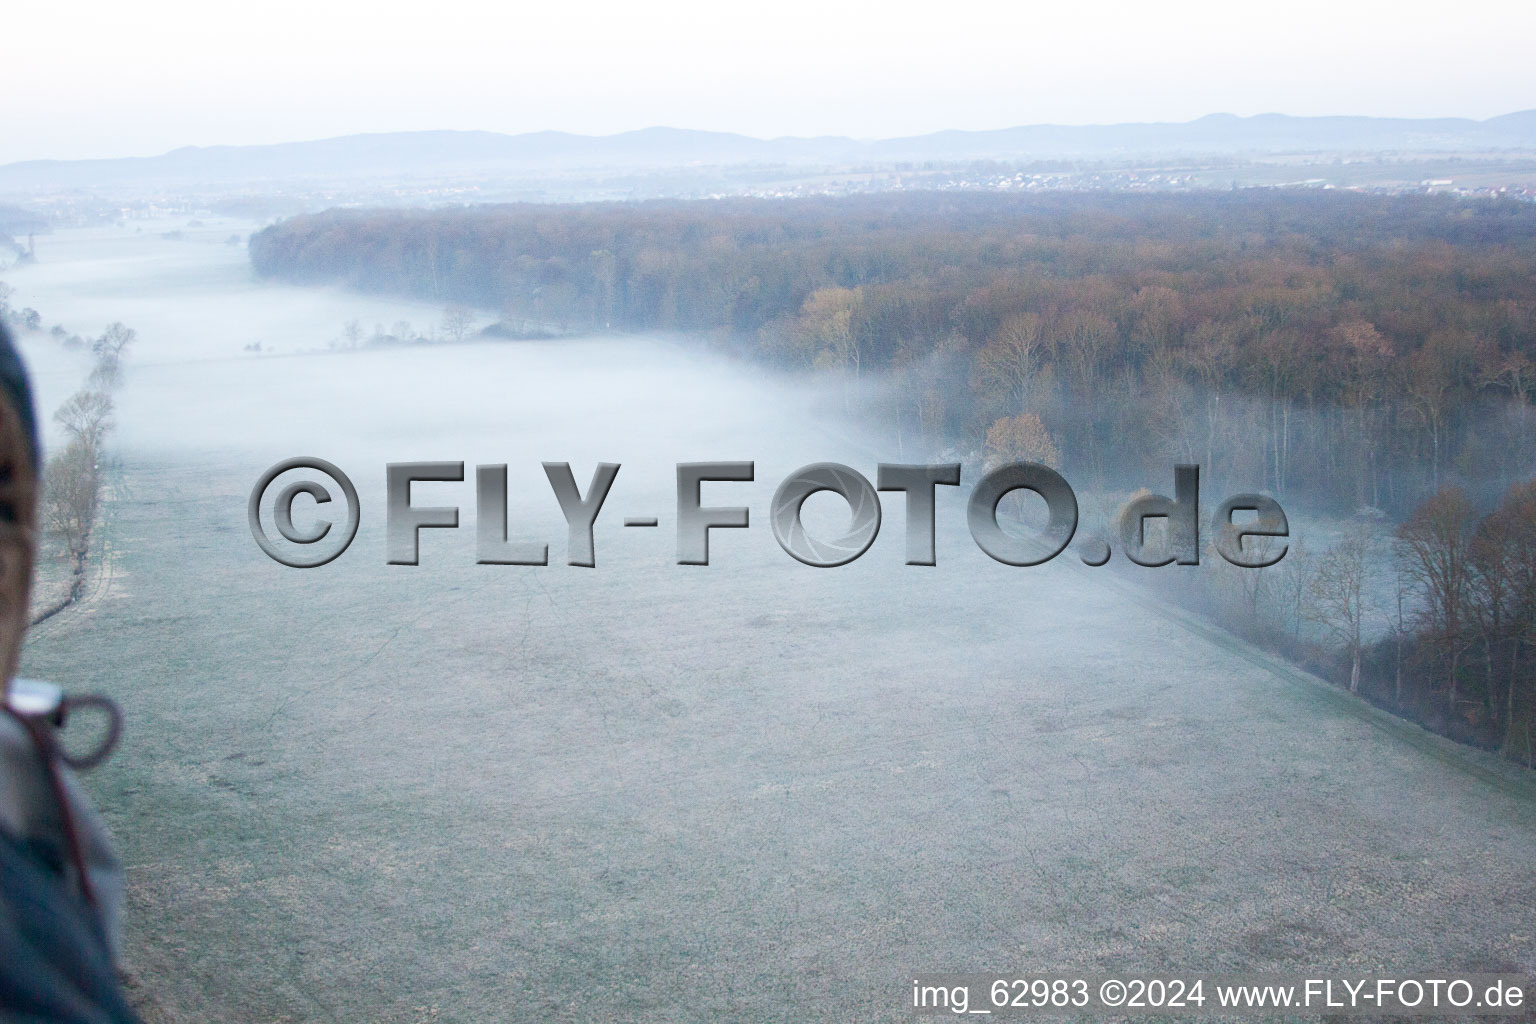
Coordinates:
690 130
105 81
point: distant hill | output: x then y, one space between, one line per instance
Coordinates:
434 154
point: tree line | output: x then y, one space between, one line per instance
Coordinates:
1373 357
73 475
1475 633
1353 349
1433 619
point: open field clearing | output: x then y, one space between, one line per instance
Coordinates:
752 791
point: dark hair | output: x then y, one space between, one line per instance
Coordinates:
17 389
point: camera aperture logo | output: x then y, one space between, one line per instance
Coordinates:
319 544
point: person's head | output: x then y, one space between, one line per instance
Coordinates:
20 471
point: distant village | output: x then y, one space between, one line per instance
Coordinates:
266 201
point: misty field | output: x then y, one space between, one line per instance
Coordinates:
752 791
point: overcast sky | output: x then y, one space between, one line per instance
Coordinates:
129 79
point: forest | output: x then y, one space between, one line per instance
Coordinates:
1371 357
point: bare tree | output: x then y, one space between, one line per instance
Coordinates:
71 495
1433 547
456 322
107 374
1264 603
1502 599
114 341
1401 631
1292 585
1011 362
1339 592
86 417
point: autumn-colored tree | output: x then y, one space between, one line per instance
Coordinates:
1021 438
826 321
1346 348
